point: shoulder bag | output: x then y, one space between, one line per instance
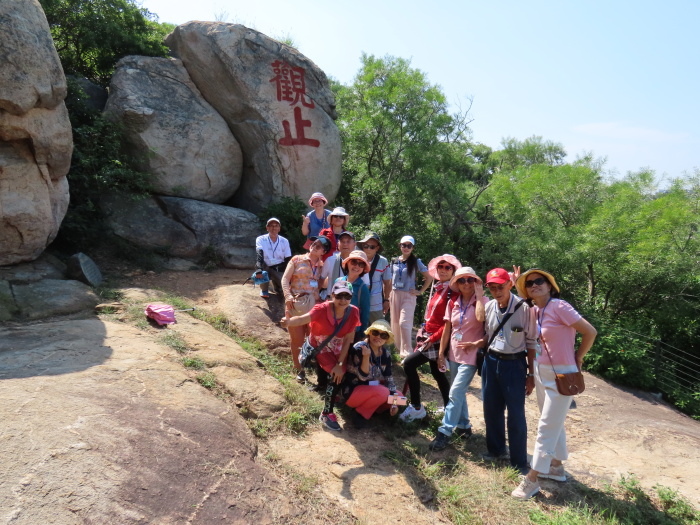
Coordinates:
308 353
569 384
481 352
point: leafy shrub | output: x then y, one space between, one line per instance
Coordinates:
100 166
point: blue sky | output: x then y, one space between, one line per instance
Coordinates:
617 78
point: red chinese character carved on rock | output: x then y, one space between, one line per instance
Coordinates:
291 86
299 125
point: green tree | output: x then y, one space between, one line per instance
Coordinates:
92 35
408 167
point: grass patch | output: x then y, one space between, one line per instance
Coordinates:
193 362
207 380
175 341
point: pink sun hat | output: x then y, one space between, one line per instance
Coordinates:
449 259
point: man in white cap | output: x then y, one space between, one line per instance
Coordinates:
272 254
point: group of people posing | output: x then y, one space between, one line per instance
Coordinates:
338 294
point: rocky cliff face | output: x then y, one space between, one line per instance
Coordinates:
35 134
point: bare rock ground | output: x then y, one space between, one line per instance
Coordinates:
101 424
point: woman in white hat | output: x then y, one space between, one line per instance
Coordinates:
557 324
463 335
369 381
338 219
402 301
317 219
441 269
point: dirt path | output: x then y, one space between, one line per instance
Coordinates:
612 432
101 424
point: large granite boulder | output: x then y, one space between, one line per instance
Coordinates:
186 228
276 101
36 143
176 135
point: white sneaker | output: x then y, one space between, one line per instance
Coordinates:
412 414
526 489
555 473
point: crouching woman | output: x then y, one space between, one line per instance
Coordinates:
369 381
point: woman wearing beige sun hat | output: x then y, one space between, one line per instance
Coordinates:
557 324
369 381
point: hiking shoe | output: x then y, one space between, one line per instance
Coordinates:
526 489
555 473
463 433
440 442
412 414
301 377
264 295
330 421
487 456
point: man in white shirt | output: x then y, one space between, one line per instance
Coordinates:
272 254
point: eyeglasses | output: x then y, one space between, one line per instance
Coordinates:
463 280
406 245
343 296
445 267
539 281
370 246
377 333
493 286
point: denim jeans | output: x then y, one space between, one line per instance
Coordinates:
457 411
503 388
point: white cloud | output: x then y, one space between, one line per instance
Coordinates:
622 131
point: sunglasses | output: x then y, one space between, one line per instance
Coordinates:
355 262
377 333
344 296
463 280
539 281
445 267
371 246
406 245
317 201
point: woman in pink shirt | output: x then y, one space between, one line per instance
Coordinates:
557 324
462 336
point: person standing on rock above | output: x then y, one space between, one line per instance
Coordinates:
462 336
369 382
339 221
379 276
272 255
402 300
300 284
442 269
333 266
317 219
323 320
507 373
356 266
557 324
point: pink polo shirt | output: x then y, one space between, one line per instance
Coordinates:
463 319
554 326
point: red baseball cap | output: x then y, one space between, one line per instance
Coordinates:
497 276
